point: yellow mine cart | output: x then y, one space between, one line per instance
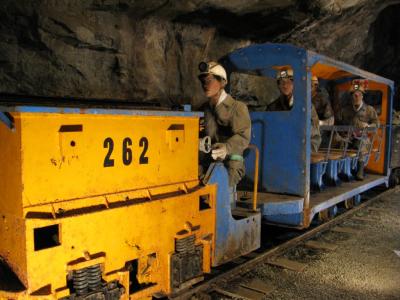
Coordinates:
101 202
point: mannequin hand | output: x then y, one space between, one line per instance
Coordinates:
219 151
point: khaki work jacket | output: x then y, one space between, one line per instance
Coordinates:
279 104
315 132
367 114
229 123
322 105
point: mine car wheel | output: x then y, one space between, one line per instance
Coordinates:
393 180
327 214
397 176
349 203
357 200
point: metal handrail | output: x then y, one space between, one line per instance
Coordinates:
255 187
335 129
363 137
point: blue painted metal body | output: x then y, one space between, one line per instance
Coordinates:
274 211
331 176
347 195
354 161
283 138
234 237
317 172
288 212
345 173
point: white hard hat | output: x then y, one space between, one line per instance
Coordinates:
285 73
213 68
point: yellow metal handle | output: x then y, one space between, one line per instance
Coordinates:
255 188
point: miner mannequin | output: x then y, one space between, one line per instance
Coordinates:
285 102
226 121
323 108
320 100
360 115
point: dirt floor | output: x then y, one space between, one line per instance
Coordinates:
364 266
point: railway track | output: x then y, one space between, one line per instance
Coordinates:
246 263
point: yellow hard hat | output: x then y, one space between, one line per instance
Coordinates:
213 68
285 73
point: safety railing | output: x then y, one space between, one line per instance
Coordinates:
343 136
256 166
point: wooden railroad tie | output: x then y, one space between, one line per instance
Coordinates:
287 264
258 286
365 219
345 230
249 293
254 290
320 245
231 294
378 209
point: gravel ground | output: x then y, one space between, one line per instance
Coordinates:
364 266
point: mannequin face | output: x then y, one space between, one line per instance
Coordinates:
357 98
211 86
285 86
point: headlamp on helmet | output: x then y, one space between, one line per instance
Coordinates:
203 67
287 73
359 85
213 68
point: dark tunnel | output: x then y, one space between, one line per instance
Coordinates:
383 53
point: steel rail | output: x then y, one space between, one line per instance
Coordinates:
208 285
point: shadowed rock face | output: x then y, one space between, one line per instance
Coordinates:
367 36
382 55
103 52
149 50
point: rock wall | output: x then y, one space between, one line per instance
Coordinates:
382 55
149 50
345 36
366 35
64 51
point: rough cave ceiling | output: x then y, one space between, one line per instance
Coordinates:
149 50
